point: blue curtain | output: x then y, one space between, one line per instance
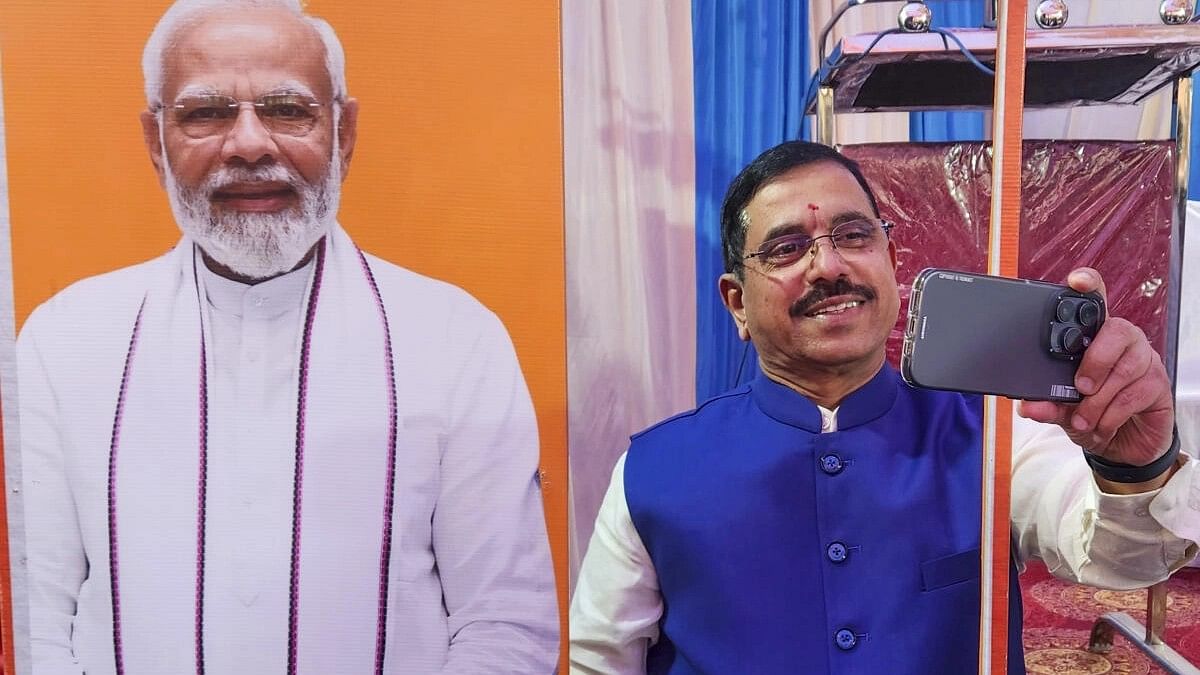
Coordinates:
949 126
750 67
1194 150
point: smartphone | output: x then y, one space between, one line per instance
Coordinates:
995 335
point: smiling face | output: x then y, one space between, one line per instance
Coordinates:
831 311
255 197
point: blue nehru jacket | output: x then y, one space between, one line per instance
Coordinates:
780 549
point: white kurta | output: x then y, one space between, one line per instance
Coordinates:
469 584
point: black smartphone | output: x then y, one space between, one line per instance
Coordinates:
995 335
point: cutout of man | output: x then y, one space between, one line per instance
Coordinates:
266 451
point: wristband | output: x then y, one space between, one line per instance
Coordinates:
1128 473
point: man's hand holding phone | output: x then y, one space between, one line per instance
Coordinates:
1127 414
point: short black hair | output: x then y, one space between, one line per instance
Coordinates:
764 169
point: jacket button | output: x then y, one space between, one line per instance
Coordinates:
832 464
845 639
836 552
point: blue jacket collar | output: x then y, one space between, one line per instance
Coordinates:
867 403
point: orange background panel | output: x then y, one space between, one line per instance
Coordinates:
457 172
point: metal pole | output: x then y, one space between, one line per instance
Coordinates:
1003 249
825 115
1156 613
1183 138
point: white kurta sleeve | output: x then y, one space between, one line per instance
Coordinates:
57 564
489 531
1060 515
617 604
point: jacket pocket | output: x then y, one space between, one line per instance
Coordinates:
950 570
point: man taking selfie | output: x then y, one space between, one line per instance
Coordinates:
824 518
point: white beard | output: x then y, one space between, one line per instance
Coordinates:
257 245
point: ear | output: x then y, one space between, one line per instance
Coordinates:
153 140
731 294
347 132
892 253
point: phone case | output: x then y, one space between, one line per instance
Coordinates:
995 335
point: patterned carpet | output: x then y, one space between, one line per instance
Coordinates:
1059 617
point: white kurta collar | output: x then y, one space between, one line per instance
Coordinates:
264 300
828 419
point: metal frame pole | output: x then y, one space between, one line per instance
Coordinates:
825 134
1183 138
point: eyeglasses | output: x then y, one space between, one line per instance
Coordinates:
855 236
214 115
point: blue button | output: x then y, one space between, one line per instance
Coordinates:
845 639
836 552
832 464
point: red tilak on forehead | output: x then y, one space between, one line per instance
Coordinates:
812 211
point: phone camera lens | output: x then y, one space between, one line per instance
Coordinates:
1067 308
1073 340
1089 313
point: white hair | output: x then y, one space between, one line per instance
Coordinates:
179 14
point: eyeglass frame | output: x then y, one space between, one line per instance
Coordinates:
160 108
812 243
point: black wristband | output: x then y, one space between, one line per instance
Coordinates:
1128 473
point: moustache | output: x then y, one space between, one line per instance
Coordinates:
229 175
824 290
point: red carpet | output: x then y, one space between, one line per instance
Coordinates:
1059 617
